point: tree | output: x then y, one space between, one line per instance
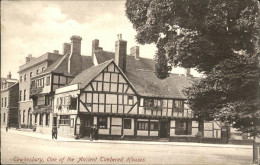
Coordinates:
219 39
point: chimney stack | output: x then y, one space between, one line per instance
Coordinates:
55 51
66 48
134 51
95 47
9 76
27 59
75 60
120 53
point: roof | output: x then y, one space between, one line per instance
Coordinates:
147 84
144 82
61 65
35 61
87 75
131 62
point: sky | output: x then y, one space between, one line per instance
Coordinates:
37 27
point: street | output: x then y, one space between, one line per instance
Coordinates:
19 149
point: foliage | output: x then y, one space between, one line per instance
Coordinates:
217 37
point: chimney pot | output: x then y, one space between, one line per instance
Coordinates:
9 76
56 51
119 36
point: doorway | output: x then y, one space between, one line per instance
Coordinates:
55 121
164 129
88 123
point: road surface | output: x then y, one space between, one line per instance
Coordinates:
19 149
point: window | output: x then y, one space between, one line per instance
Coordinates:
24 95
2 102
127 123
73 103
130 100
47 80
183 127
21 78
148 102
102 122
142 125
40 119
178 105
48 100
23 116
37 72
25 77
31 74
64 119
36 115
20 96
5 101
154 126
47 117
43 68
4 117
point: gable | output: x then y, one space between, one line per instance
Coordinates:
110 79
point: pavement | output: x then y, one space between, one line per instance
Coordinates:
29 133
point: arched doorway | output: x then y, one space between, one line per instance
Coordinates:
29 118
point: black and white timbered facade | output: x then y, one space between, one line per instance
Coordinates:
106 98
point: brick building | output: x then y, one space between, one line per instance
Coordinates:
56 75
9 101
32 67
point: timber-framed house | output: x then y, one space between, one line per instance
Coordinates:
121 95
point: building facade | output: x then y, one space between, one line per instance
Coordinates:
9 101
32 67
56 75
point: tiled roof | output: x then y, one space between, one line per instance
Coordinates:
147 84
131 62
84 77
144 82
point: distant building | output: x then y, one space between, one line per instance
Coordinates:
9 101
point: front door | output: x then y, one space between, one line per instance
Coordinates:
87 125
163 129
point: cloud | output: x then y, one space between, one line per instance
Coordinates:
37 27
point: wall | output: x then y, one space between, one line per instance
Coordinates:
25 85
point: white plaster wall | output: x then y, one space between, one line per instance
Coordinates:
142 133
153 133
116 121
172 131
115 130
